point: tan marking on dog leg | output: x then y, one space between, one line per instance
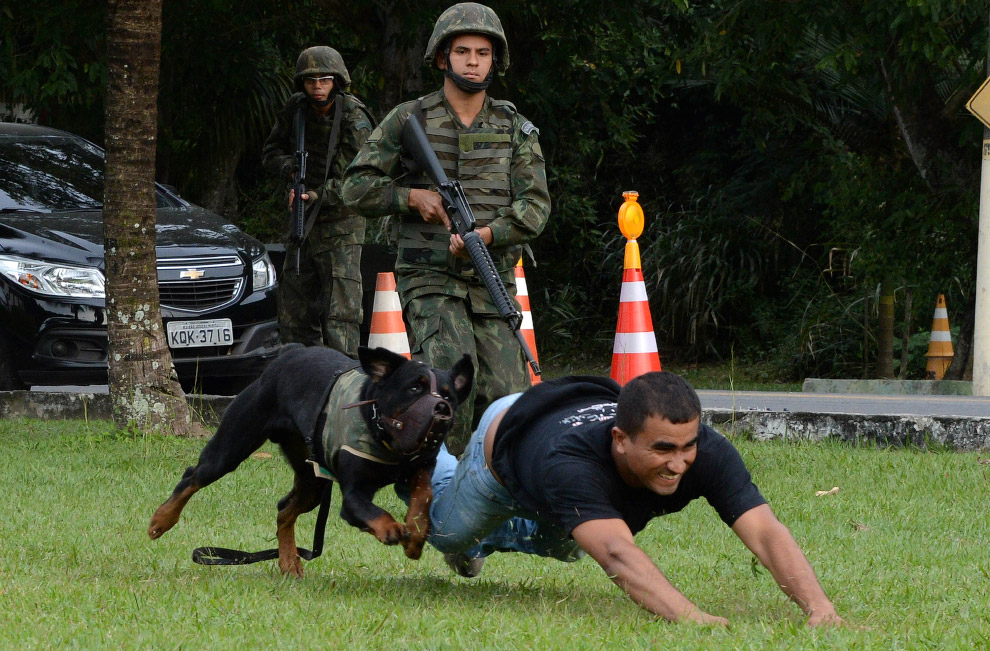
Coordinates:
387 530
418 515
168 513
288 556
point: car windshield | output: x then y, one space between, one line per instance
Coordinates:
51 173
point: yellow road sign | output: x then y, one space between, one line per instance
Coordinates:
979 104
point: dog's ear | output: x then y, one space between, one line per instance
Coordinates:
379 362
462 378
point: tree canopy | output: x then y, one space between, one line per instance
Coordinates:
790 156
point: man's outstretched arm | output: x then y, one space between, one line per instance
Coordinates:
610 542
773 544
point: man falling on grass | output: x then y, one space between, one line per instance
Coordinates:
576 465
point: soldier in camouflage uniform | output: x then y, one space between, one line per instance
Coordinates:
320 304
495 153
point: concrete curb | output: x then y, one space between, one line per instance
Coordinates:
960 434
93 406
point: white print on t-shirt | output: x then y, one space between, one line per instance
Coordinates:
598 413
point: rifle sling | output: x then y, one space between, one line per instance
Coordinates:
332 145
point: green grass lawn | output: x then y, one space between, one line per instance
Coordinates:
903 550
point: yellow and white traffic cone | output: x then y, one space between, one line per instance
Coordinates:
387 327
522 296
635 349
940 343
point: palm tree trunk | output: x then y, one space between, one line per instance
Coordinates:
144 389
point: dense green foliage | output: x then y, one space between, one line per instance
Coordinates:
790 156
80 572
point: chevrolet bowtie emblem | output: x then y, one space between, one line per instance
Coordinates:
192 274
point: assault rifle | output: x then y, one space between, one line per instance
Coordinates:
462 221
298 210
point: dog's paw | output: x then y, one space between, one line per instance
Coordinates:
161 521
413 548
393 534
291 566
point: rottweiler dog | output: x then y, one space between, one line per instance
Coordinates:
365 425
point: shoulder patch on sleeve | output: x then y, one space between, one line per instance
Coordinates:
528 128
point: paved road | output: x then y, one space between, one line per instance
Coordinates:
847 403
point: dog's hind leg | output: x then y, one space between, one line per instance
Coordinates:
242 431
303 498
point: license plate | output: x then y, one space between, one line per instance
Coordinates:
193 334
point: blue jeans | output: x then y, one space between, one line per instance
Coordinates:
474 514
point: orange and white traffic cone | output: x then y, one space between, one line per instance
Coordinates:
940 343
522 295
635 349
387 328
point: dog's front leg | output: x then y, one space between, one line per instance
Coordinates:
418 515
359 480
359 511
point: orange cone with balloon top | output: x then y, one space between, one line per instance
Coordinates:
635 349
522 295
387 328
940 343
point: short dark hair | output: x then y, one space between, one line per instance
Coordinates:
660 393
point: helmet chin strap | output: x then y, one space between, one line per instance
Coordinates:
467 85
321 103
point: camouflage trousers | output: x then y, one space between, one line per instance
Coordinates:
321 304
444 328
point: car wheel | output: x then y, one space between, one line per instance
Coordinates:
8 374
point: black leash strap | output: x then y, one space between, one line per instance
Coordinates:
223 556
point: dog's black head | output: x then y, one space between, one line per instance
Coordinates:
413 404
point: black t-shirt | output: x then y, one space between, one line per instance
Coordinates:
553 452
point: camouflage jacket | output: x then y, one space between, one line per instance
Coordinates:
277 156
373 184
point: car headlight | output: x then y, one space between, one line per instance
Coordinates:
53 279
263 273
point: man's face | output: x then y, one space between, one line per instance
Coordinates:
658 456
318 88
471 56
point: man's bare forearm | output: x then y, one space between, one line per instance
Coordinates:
610 543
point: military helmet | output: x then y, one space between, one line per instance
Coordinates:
322 60
468 18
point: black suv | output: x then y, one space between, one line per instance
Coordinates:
216 284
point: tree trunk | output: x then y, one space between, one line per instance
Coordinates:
962 360
906 338
144 389
885 334
402 63
866 337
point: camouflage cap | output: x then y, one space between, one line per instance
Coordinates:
468 18
322 60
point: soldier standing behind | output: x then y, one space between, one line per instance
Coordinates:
320 303
495 153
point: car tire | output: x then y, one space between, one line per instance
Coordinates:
9 381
